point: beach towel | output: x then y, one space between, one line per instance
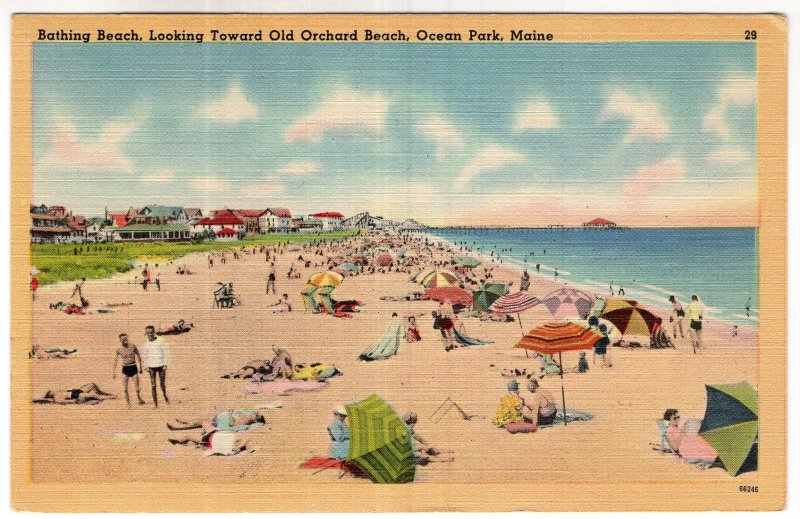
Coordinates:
387 345
572 416
465 340
282 387
509 410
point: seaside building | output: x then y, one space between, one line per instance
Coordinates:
97 229
275 219
78 226
47 227
600 223
331 220
193 212
250 218
147 232
224 219
227 234
159 215
307 224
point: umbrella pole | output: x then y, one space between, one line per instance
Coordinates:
519 320
563 398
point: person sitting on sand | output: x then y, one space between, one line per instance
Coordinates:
38 352
424 453
685 441
659 338
543 403
512 408
412 332
88 393
339 433
282 305
235 420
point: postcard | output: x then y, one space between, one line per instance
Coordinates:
357 263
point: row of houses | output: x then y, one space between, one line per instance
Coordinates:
171 223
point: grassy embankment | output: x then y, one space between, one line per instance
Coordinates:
60 263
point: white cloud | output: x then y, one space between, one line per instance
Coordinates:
652 176
490 158
346 110
645 115
737 90
537 115
727 157
299 169
71 147
444 135
232 108
159 176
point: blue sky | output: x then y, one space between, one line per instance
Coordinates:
511 134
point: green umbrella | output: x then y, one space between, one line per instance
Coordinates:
467 261
483 298
380 442
731 425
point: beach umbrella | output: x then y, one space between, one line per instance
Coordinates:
467 261
455 295
360 259
440 278
558 337
628 317
730 425
380 443
568 302
514 304
326 279
483 298
384 259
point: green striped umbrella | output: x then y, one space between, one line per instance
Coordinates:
380 442
731 425
467 261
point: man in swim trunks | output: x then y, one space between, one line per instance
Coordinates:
156 355
90 393
695 313
129 354
543 403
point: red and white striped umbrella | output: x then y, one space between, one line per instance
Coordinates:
514 303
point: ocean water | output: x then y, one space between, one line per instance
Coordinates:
719 265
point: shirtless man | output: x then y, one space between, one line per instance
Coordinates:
90 393
543 403
131 366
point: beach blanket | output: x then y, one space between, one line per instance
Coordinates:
320 463
387 345
282 387
572 416
465 340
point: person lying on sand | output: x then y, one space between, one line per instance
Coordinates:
88 393
208 439
177 328
236 420
424 453
281 366
38 352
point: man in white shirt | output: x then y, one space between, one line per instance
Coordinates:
156 356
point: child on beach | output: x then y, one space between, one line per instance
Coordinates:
583 364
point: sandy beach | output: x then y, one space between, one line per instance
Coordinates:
109 442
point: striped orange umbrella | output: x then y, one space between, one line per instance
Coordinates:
326 279
440 278
556 337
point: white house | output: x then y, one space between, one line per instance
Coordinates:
331 220
275 219
220 220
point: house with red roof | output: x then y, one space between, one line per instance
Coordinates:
600 222
275 219
227 234
331 220
225 219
